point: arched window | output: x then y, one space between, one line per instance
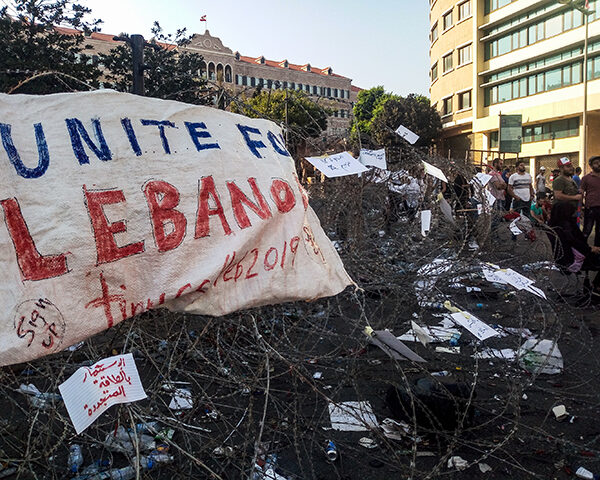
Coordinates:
202 72
211 71
228 73
220 75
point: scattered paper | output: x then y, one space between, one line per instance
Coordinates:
90 391
392 346
484 468
452 350
514 229
446 210
373 158
352 416
425 222
434 171
406 134
434 334
181 400
337 165
474 325
560 412
457 462
420 333
505 353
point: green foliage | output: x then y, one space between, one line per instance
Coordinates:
367 103
304 117
414 112
171 73
31 45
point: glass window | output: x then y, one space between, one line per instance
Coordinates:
269 84
464 10
464 100
244 80
553 79
531 87
504 45
314 90
553 26
434 33
447 20
252 81
504 92
447 63
434 72
494 139
464 55
447 106
335 92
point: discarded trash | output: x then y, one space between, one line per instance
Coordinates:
318 375
223 451
38 399
436 333
352 416
584 473
397 430
453 350
391 345
560 412
96 467
541 356
420 333
505 353
181 400
122 440
469 321
331 451
75 460
454 339
457 462
367 442
484 467
443 373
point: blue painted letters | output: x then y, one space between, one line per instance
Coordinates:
13 155
77 131
197 135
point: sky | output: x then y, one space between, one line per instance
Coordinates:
378 42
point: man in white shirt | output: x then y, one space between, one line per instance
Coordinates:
521 189
540 180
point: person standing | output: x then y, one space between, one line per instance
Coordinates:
564 187
540 180
521 189
497 185
590 189
577 177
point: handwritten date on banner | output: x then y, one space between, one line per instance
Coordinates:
90 391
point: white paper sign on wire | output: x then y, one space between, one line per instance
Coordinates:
434 171
408 135
373 158
90 391
338 165
352 416
112 204
425 222
478 328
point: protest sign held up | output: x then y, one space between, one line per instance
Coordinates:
114 204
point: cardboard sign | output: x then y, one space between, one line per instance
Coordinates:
373 158
90 391
434 171
112 204
338 165
406 134
474 325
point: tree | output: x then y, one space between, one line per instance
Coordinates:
305 119
32 45
171 72
414 112
367 102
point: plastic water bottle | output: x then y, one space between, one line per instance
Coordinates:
454 339
125 473
75 458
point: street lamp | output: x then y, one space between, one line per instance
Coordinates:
581 6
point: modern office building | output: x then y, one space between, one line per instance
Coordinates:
492 57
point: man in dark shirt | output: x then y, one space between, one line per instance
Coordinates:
564 187
590 188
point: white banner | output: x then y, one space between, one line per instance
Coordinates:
113 204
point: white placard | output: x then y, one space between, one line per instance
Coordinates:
406 134
434 171
425 222
474 325
373 158
352 416
514 278
338 165
481 178
90 391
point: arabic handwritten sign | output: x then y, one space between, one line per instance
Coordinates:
90 391
113 204
338 165
373 158
408 135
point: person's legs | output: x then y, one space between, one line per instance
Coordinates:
588 222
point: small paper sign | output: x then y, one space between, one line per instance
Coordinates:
337 165
373 158
406 134
474 325
435 171
425 222
90 391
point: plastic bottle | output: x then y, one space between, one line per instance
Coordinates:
75 458
454 339
97 466
331 451
125 473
